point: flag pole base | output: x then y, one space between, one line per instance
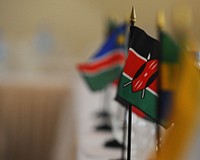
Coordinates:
104 127
103 114
113 143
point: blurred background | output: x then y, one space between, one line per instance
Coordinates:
41 42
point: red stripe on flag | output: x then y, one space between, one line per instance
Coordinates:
115 82
107 62
138 112
133 63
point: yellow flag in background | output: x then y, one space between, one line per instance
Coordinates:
185 111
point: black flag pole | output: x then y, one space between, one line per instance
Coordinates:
124 136
129 131
128 106
132 22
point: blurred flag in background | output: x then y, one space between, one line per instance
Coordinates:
185 110
168 71
105 66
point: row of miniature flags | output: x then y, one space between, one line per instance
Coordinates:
105 66
138 83
157 77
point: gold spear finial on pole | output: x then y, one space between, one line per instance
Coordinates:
133 16
160 19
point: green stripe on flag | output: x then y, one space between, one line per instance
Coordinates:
98 81
147 104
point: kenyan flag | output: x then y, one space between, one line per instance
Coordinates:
139 81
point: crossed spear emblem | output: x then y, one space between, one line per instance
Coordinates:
144 76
